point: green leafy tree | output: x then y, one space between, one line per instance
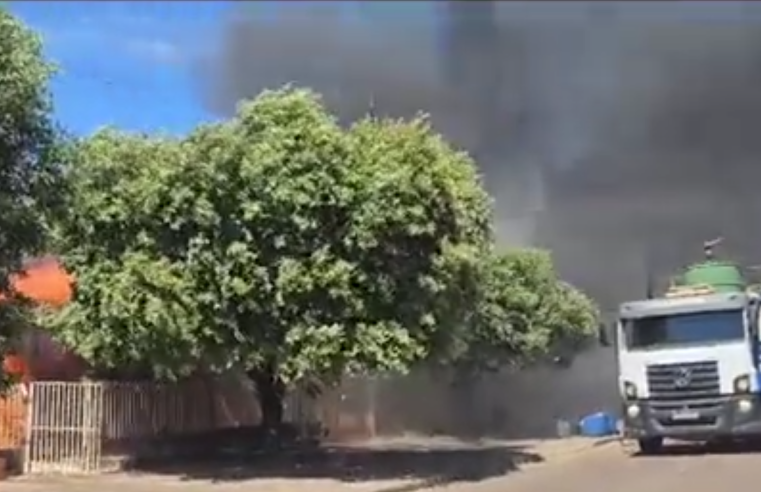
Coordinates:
275 242
280 244
526 314
113 242
30 155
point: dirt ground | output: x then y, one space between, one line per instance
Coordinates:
405 465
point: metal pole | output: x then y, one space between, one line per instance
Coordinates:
371 108
649 274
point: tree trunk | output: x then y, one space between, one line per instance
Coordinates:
270 392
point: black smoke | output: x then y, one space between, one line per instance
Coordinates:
620 134
616 133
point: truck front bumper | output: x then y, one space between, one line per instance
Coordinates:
731 416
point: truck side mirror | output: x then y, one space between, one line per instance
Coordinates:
604 337
753 318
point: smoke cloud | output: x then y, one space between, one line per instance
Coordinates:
609 132
619 134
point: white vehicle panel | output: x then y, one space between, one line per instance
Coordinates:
734 359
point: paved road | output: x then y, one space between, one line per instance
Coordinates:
610 470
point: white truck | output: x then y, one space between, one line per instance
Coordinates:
688 363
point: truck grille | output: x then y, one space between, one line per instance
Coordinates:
693 385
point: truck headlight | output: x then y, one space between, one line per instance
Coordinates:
745 406
741 384
630 390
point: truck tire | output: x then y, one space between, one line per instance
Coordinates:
650 445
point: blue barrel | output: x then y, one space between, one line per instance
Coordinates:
598 424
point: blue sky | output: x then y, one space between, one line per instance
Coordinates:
128 63
124 63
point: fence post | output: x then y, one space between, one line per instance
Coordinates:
371 389
92 423
28 428
211 404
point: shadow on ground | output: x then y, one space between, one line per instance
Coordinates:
243 454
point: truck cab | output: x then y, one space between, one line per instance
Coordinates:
688 361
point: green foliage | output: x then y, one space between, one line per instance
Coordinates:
526 313
29 145
284 245
121 319
275 242
30 157
15 315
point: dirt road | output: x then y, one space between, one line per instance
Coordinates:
596 469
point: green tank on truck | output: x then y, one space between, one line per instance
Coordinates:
687 359
721 276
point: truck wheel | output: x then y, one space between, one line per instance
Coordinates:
650 445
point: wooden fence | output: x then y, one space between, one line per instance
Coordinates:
12 420
88 427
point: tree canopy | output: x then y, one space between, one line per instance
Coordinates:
30 153
525 314
276 242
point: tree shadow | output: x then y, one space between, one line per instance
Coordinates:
244 454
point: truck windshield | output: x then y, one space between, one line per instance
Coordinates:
685 329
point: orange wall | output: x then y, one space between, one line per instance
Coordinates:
46 282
